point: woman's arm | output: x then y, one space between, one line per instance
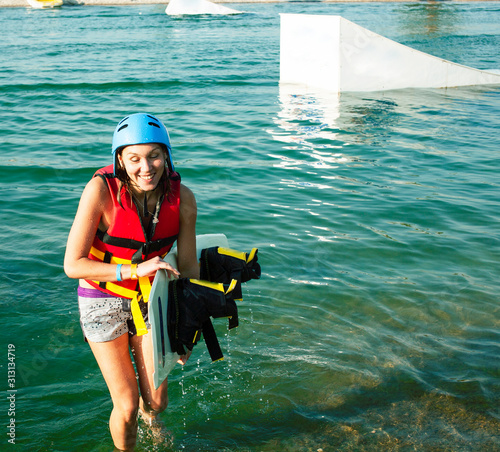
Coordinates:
96 200
186 242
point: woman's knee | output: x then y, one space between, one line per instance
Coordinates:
161 404
156 403
127 409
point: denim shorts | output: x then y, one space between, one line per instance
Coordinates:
104 317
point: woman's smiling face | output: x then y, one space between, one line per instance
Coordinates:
144 164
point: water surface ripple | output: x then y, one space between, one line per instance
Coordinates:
375 324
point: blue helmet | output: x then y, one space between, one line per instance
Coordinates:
141 128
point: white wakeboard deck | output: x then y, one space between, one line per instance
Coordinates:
164 358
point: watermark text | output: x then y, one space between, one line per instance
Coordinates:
11 393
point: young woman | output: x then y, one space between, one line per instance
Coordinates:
129 215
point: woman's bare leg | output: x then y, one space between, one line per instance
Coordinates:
118 371
153 401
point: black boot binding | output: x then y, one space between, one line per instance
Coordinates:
193 302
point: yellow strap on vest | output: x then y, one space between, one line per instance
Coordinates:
121 291
134 295
145 285
140 324
144 282
114 260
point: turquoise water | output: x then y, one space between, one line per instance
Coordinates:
375 324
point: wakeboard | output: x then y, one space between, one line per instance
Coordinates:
164 358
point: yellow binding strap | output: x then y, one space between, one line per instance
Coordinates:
233 253
252 255
232 285
210 285
238 254
215 286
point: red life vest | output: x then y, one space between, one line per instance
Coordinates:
126 241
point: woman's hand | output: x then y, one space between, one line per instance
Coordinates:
151 266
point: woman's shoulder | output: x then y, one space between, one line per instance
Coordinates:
187 202
96 191
98 184
186 194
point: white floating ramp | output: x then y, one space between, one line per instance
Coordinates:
332 53
196 7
